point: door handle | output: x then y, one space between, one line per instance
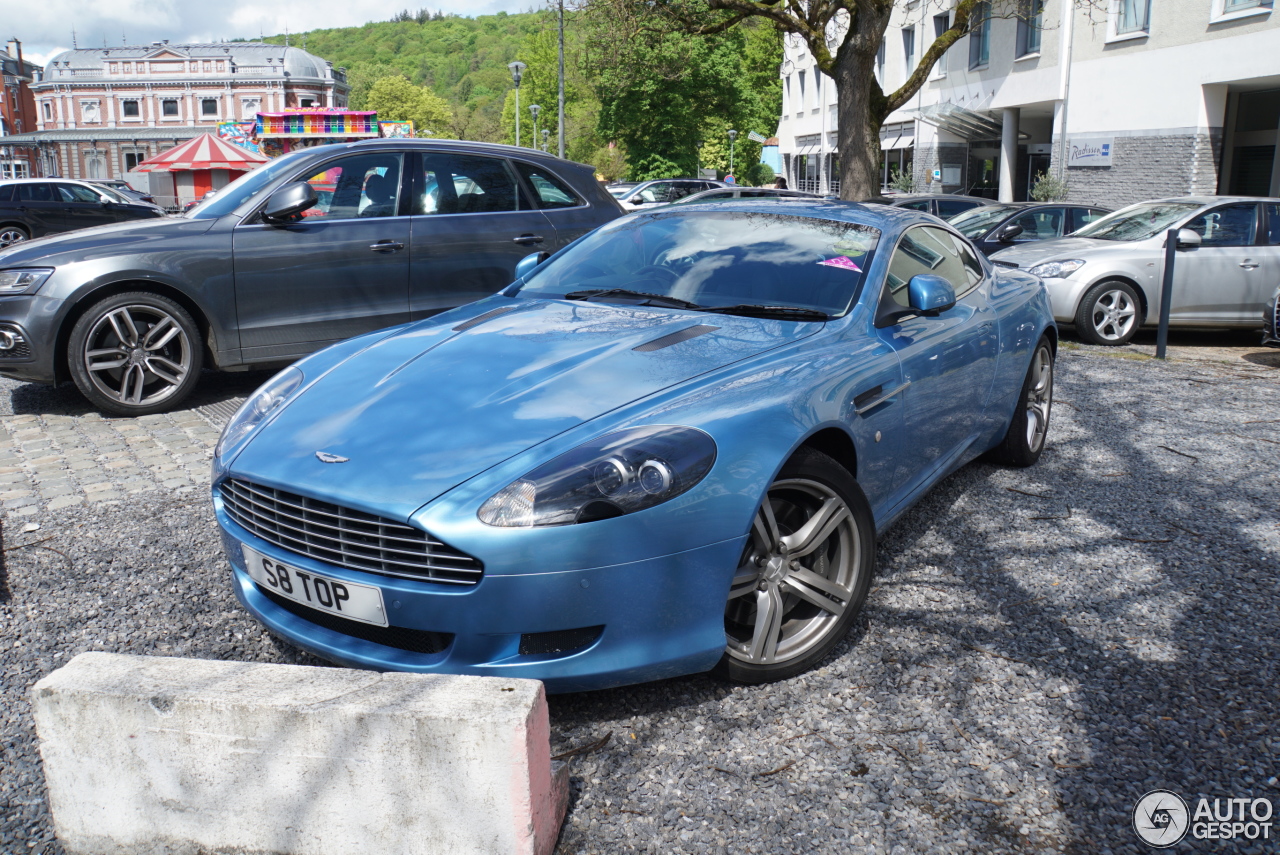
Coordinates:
386 246
527 240
1248 264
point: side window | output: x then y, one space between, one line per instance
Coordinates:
76 193
466 184
6 193
948 208
36 193
1083 216
357 187
973 268
1273 223
1040 225
660 192
548 190
1232 225
921 205
926 250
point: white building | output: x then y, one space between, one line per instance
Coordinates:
1161 98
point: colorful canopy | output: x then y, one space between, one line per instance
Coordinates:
204 152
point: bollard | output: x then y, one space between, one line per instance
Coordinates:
1166 292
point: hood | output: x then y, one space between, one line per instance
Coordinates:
1035 252
67 247
423 410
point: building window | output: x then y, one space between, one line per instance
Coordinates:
307 102
909 48
114 66
1131 17
980 34
169 108
941 23
130 109
132 159
208 67
48 111
880 54
128 67
222 66
1228 9
209 107
1030 24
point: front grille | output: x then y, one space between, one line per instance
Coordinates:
345 537
412 640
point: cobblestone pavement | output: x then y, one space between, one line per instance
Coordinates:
55 451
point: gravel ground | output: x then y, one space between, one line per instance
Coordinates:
1041 647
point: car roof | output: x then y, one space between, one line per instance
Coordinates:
882 217
44 180
458 145
1210 200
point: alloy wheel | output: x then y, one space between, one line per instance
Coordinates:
797 576
10 235
137 354
1114 314
1039 397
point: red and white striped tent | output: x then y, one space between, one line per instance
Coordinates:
196 167
204 152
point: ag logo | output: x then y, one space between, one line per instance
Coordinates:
326 457
1161 818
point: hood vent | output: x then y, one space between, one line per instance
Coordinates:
675 338
479 319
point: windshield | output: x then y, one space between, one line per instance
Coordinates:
239 191
617 192
112 193
1138 222
976 222
720 258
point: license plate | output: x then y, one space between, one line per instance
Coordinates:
332 596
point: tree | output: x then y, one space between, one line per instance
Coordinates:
398 100
844 37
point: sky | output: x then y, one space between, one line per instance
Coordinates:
44 28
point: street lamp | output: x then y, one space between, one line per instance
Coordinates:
698 152
535 109
517 71
545 133
733 135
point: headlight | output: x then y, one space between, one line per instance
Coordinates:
1057 269
617 474
23 281
261 404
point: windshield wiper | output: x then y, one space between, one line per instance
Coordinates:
649 299
755 310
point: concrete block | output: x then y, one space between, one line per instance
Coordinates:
153 756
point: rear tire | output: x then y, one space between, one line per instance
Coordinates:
1029 428
804 573
9 235
1109 314
135 353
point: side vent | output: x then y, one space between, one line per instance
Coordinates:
479 319
675 338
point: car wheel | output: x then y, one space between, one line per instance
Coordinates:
10 235
1108 314
1025 438
135 353
804 573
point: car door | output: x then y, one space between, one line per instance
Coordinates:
40 206
340 270
948 361
1268 257
471 223
1223 279
1037 224
83 207
569 215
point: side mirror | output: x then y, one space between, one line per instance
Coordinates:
1188 239
526 265
1009 232
929 294
289 201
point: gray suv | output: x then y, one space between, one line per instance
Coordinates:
313 248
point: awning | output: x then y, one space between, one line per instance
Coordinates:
966 124
101 135
204 152
900 141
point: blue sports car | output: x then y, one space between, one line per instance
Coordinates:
667 449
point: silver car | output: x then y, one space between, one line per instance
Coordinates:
1106 278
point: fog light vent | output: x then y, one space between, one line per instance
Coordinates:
561 642
13 344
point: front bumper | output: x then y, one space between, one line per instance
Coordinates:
1065 296
31 320
645 620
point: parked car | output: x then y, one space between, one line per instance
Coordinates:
667 449
620 188
996 227
124 188
35 207
1271 321
664 191
722 194
942 205
132 312
1106 278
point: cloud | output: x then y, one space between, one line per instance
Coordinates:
45 28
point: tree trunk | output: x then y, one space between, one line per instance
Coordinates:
860 110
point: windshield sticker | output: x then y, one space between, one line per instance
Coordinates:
842 261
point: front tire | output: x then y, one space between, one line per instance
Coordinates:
135 353
9 235
1109 313
1029 428
804 573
